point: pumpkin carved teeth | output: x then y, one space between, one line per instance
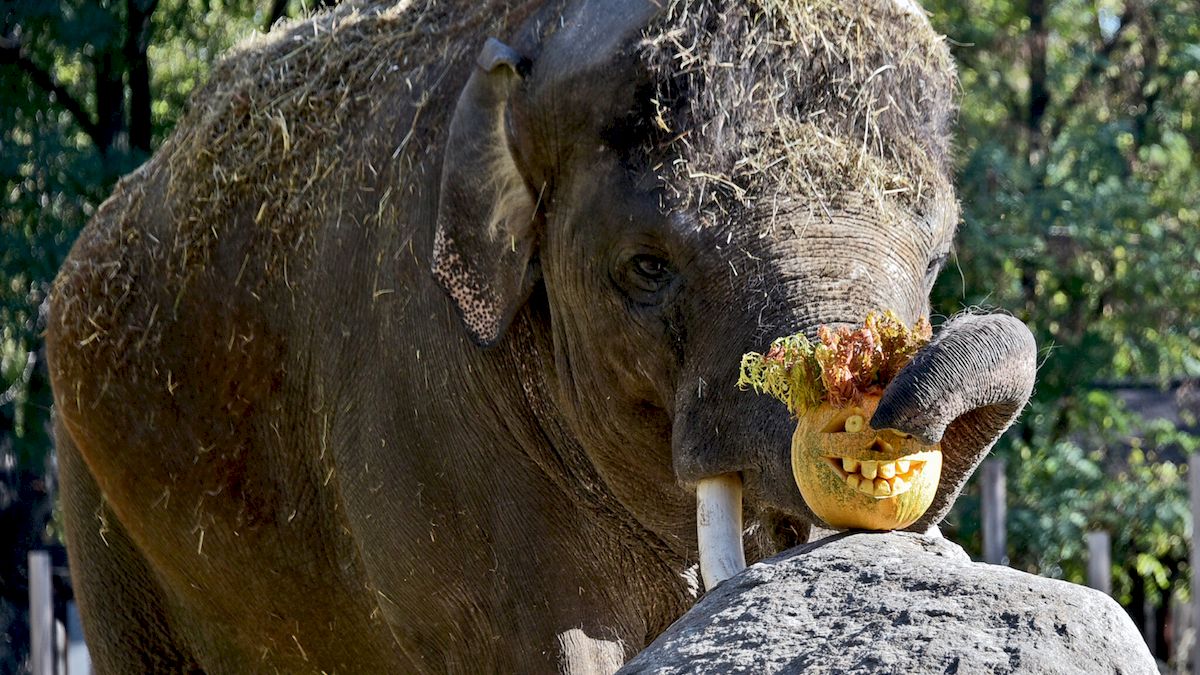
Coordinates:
868 469
877 479
883 488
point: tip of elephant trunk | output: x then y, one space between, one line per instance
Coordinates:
719 528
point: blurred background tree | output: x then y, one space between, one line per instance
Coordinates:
1078 137
1077 143
88 89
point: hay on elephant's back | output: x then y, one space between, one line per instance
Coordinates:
327 120
286 129
764 98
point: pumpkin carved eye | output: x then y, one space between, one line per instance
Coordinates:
850 421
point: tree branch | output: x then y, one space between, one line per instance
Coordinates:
12 53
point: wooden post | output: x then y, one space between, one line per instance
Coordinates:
1194 489
1099 572
41 614
60 648
1179 633
77 654
992 508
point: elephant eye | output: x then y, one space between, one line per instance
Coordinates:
651 267
644 277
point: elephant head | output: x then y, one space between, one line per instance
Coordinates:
659 187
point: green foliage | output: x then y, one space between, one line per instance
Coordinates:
65 137
1079 183
1120 476
788 372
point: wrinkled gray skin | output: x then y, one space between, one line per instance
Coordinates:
441 447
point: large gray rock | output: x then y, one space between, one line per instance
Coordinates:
896 603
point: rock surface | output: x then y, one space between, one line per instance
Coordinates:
896 603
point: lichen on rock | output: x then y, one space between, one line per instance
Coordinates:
899 602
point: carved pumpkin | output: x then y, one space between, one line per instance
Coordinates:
855 477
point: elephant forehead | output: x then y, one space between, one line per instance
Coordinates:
875 237
772 97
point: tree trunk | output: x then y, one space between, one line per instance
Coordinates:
110 101
1147 92
1039 96
137 40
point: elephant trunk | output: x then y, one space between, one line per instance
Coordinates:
983 365
963 390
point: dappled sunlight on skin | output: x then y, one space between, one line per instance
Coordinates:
585 655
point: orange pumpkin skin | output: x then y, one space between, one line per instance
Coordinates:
820 448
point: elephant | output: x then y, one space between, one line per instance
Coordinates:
414 347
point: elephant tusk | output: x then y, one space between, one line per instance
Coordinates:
719 528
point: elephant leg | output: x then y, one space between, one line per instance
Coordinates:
126 619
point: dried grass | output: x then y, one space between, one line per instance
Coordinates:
278 129
287 134
290 132
810 98
777 100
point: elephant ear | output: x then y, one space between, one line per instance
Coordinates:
484 241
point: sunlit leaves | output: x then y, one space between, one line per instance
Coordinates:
1093 242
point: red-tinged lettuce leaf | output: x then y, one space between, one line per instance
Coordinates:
842 367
